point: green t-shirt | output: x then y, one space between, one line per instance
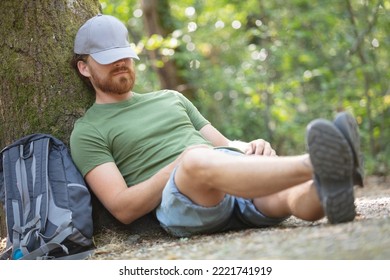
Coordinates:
141 135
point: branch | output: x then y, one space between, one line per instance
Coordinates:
357 48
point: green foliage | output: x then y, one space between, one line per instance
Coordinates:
264 69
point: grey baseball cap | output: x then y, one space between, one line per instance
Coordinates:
105 38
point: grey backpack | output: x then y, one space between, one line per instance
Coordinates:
46 201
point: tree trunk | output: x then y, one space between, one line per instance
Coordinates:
39 91
154 11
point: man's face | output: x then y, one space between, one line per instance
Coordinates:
115 78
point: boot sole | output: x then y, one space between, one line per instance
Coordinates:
332 160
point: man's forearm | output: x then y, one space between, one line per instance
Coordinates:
140 199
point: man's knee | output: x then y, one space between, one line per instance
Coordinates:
196 165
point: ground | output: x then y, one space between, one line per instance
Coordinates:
367 237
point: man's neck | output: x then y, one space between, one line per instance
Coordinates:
106 98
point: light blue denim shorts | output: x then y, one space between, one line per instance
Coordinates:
179 216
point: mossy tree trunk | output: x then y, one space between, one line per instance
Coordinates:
39 92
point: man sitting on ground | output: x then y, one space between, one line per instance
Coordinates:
141 153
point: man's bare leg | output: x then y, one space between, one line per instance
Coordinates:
301 201
205 175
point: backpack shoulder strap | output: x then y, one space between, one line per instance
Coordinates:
26 195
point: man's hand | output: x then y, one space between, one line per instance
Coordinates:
260 147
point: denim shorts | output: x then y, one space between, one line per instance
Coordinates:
181 217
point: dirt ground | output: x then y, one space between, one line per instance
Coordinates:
367 237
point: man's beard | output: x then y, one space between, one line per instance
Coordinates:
120 86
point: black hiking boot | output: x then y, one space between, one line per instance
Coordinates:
346 123
332 160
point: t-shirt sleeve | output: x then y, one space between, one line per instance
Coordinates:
88 148
197 119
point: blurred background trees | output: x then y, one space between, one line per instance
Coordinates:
264 69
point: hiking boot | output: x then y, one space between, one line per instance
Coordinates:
346 123
332 160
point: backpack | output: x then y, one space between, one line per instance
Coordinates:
46 201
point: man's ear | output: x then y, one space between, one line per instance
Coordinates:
83 69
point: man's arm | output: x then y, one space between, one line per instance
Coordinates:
127 203
255 147
211 134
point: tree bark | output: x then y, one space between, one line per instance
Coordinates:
39 91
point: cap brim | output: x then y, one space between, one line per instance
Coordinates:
112 55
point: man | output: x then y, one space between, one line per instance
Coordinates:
141 153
